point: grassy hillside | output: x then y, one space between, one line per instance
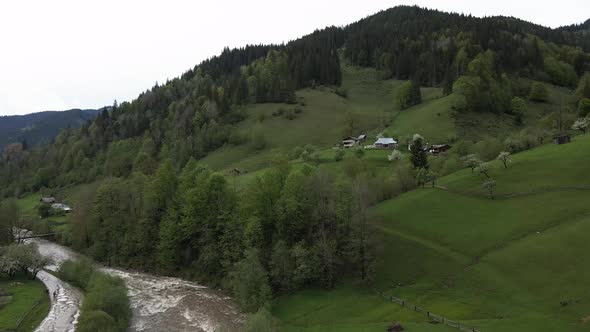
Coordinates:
505 263
450 250
22 299
370 106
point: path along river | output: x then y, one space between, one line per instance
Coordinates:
158 303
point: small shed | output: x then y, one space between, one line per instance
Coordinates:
349 142
362 138
47 200
562 138
385 143
438 148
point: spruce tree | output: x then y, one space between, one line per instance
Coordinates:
419 158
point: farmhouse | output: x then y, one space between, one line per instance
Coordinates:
47 200
438 148
386 143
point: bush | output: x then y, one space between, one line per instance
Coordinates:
298 110
77 273
106 305
583 107
539 92
359 152
96 321
258 140
561 73
262 321
237 138
342 92
279 112
44 210
290 115
296 152
488 149
339 155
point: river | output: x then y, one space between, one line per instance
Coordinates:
158 303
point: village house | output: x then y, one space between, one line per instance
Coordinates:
349 142
385 143
438 148
47 200
61 206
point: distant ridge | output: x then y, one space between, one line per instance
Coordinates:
41 127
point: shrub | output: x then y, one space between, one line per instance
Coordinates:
77 273
237 138
290 115
258 140
298 110
359 152
261 321
96 321
583 107
106 305
488 149
44 210
395 156
539 92
342 92
296 152
339 155
280 111
260 117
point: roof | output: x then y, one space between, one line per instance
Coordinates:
386 140
362 137
438 146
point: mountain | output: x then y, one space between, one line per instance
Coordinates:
42 127
229 175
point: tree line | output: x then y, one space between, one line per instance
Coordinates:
289 229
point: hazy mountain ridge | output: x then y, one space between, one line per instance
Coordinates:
41 127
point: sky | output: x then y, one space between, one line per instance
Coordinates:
63 54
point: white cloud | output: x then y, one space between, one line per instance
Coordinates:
77 53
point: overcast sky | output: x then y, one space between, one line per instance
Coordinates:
63 54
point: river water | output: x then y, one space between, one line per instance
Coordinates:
158 303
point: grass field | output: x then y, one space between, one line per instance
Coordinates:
23 294
511 264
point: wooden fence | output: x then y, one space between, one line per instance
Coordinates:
21 320
429 314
